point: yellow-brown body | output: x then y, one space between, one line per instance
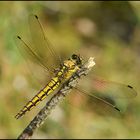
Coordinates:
64 73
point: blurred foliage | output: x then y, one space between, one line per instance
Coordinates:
109 31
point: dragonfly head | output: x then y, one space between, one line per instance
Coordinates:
77 59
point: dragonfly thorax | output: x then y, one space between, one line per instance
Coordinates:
73 62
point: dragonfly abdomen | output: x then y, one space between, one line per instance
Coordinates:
64 73
42 94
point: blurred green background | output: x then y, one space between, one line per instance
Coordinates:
108 31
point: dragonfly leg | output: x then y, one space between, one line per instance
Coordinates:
56 70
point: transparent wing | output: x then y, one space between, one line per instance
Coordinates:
39 50
81 101
41 45
35 66
111 93
26 50
109 88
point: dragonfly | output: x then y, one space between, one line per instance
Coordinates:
64 70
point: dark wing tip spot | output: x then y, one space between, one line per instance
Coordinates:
117 109
129 86
18 37
36 16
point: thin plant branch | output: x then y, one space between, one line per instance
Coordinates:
51 104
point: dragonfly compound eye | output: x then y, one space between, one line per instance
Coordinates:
77 59
74 56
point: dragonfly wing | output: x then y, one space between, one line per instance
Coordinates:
114 94
38 51
81 101
41 44
107 101
113 89
27 51
110 88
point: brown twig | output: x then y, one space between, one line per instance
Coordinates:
63 91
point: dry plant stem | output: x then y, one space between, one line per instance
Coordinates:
64 90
